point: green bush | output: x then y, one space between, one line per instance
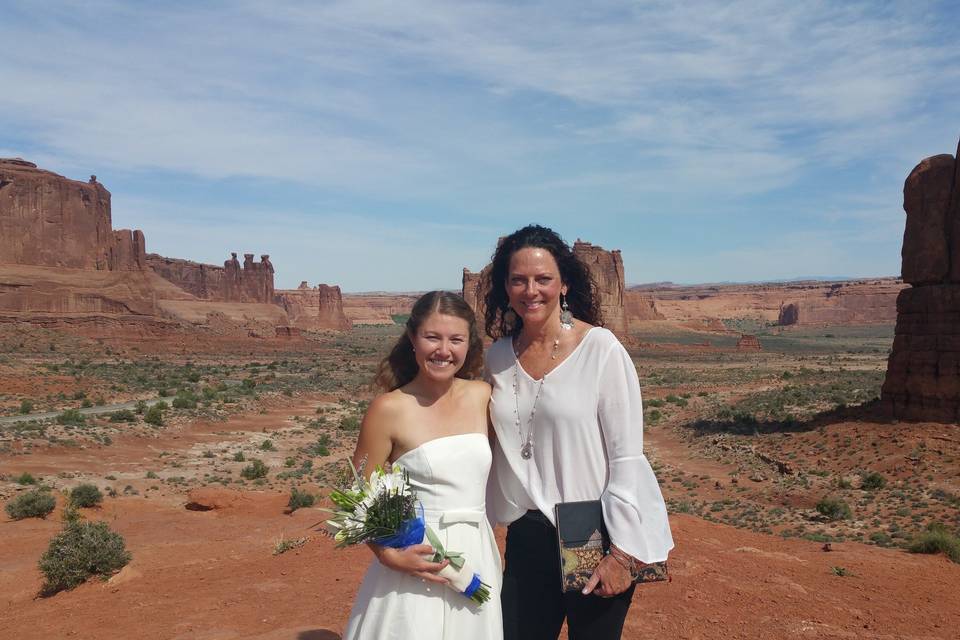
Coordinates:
26 478
238 457
81 550
872 481
26 407
123 415
834 509
85 495
141 407
184 402
154 416
267 445
937 539
350 423
256 469
300 499
71 416
32 504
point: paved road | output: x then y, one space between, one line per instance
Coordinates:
88 411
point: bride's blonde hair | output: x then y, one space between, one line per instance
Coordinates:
400 367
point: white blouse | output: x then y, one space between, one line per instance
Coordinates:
588 443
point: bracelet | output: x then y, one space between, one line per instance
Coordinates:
628 562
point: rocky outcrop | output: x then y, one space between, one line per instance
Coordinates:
923 372
606 269
253 282
51 221
843 303
378 308
639 307
314 308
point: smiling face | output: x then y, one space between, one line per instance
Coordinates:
534 285
440 345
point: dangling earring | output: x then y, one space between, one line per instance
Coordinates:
566 316
510 316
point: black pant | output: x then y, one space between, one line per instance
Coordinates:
534 605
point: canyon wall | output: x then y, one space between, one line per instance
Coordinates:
801 303
48 220
253 282
319 307
923 372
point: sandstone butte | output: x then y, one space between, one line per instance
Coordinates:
923 372
63 265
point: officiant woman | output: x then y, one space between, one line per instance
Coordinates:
568 420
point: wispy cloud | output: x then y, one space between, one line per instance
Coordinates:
492 111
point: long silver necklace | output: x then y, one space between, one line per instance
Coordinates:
526 449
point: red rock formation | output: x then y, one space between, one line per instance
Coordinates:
229 283
639 307
377 308
843 303
287 332
606 269
748 343
320 307
923 372
48 220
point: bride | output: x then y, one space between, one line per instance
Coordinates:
433 422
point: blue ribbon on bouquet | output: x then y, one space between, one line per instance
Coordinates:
410 532
473 586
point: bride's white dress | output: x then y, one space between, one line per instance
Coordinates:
450 477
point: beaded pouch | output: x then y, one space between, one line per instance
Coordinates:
584 542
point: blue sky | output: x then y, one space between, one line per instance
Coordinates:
386 145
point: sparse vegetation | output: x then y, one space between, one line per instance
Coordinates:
300 499
834 509
85 495
256 469
36 503
79 551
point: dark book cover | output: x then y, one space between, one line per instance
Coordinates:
584 542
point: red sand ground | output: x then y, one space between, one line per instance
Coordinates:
211 575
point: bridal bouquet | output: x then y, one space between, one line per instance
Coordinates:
384 511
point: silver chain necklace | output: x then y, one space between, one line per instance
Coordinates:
526 449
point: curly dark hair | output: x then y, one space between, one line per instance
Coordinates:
400 367
582 296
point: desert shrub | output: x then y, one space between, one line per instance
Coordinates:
26 478
248 383
300 499
653 416
256 469
86 403
350 423
81 550
141 407
184 402
654 403
154 416
267 445
834 509
71 416
32 504
123 415
85 495
238 457
937 539
26 406
872 481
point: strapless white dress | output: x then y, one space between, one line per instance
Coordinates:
450 477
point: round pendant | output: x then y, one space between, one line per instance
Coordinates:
527 451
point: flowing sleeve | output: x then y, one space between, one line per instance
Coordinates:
633 506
